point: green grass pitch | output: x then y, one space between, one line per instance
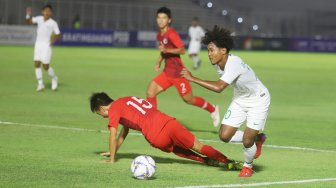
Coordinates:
37 152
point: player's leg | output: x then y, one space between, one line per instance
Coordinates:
193 50
46 57
185 90
156 86
39 75
209 152
188 154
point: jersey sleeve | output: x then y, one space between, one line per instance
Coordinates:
232 70
176 40
36 19
56 28
114 117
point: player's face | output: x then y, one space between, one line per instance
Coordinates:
102 112
215 54
194 23
162 20
46 13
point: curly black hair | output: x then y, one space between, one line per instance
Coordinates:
47 6
164 10
220 37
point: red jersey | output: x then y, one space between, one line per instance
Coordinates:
171 39
137 114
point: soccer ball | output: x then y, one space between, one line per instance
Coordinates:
143 167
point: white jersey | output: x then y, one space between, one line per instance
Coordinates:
196 33
45 28
247 87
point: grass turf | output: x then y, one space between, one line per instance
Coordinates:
302 86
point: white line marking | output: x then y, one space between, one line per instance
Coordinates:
263 183
139 134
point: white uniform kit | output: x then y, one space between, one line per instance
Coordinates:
42 50
251 98
195 34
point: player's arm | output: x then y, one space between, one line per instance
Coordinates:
177 51
113 143
122 135
54 38
216 86
29 18
158 63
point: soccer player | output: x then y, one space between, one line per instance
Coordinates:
160 130
251 98
171 47
196 33
47 34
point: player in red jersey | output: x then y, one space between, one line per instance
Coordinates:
171 47
160 130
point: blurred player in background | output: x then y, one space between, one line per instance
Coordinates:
251 98
47 34
160 130
171 47
196 33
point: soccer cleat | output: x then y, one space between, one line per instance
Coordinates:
261 137
215 116
54 83
246 172
40 87
234 165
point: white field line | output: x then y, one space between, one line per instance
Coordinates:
139 134
262 183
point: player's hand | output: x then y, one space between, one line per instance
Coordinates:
157 67
105 154
162 48
186 74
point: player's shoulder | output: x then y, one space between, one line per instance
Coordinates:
234 58
172 31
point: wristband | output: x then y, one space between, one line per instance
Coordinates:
27 16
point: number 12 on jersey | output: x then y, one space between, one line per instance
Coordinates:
140 104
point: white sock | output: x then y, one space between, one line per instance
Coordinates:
238 136
195 59
51 72
249 154
38 74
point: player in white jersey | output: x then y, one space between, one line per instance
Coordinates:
196 33
47 34
250 101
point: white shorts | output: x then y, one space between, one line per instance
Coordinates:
42 52
254 113
194 47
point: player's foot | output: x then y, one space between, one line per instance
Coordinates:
261 137
54 83
211 162
246 172
40 87
197 65
234 165
215 116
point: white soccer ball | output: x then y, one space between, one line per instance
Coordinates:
143 167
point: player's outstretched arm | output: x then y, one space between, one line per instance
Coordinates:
113 144
122 136
29 19
158 63
216 86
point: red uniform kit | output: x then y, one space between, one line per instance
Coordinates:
160 130
173 64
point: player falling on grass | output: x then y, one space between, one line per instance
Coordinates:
160 130
195 33
47 34
251 98
171 47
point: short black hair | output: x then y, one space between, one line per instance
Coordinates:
220 36
47 6
195 19
164 10
99 99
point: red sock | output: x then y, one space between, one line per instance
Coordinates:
186 153
213 154
200 102
152 100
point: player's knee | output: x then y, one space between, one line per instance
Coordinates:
46 66
247 142
224 137
37 64
188 101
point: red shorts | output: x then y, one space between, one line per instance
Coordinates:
181 84
173 134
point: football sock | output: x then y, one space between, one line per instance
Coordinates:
152 100
38 74
213 154
187 154
200 102
195 59
51 72
249 154
238 136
